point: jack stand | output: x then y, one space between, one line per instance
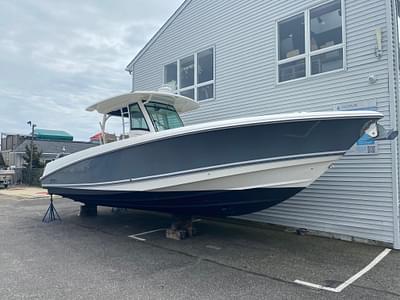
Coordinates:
51 213
88 211
181 228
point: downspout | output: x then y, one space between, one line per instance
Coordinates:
393 65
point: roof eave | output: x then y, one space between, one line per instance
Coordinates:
129 67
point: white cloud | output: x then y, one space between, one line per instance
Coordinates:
58 57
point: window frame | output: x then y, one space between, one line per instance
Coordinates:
308 53
196 85
152 119
131 128
163 73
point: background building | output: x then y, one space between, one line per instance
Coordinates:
244 58
51 143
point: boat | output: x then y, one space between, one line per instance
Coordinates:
219 168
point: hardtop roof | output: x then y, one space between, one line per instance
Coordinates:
181 103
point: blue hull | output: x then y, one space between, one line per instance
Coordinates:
194 203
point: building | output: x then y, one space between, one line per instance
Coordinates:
51 143
285 56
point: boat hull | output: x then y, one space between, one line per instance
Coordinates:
222 192
230 170
192 203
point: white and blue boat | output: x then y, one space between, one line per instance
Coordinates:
220 168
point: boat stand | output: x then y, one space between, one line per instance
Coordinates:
88 210
181 228
51 213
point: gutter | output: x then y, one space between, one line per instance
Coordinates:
394 114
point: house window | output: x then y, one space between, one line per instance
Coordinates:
192 76
292 70
311 47
170 74
326 39
186 72
205 74
188 93
291 37
327 61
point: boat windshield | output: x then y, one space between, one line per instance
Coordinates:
163 116
138 121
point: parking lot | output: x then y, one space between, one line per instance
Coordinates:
126 255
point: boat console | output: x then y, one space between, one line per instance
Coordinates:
144 111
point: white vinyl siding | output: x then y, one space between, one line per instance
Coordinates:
356 198
393 62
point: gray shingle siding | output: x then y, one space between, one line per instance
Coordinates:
356 197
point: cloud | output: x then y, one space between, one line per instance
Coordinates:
58 57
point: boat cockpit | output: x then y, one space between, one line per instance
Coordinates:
144 112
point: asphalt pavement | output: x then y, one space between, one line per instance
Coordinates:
100 258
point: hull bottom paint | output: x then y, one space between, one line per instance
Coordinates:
196 203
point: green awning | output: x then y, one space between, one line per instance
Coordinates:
54 135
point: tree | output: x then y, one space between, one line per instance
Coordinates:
36 163
2 162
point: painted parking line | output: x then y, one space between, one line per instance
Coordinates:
349 281
136 236
213 247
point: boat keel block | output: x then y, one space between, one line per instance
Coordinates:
88 210
181 228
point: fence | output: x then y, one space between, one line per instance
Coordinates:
36 174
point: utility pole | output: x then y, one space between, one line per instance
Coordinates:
31 158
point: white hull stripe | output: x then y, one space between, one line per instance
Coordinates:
245 163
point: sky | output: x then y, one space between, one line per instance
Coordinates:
58 57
